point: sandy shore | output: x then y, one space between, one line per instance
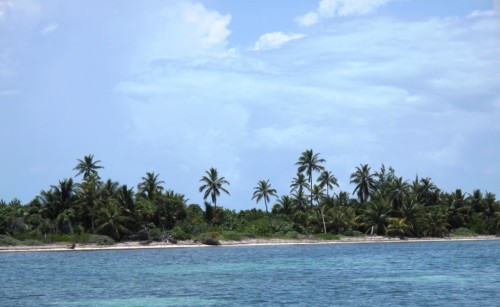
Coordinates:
246 242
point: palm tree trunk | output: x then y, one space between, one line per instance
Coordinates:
311 188
215 212
323 217
267 211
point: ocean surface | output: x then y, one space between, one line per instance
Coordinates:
383 274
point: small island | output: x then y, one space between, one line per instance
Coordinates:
102 214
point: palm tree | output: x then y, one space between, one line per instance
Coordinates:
309 162
112 222
376 216
150 187
283 205
299 183
436 221
427 192
365 183
88 167
89 202
413 213
213 185
397 227
66 192
398 192
327 180
262 191
317 193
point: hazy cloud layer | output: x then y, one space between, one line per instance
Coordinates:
161 87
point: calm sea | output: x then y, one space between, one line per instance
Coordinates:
405 274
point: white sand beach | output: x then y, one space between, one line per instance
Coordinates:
224 243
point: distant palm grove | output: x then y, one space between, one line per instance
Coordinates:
382 203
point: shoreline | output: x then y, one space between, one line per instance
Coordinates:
65 247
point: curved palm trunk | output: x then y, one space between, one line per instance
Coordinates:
323 217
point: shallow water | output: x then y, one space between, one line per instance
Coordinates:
409 274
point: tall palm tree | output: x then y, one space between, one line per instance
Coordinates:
262 191
399 192
327 180
365 183
66 191
150 186
88 167
310 162
299 183
213 185
427 192
89 202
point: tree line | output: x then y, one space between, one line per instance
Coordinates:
384 204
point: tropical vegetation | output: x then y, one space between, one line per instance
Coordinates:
381 203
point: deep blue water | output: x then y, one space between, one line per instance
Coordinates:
406 274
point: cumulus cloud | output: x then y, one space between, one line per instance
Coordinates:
181 29
334 8
403 81
210 25
275 40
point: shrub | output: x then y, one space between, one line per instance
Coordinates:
6 240
31 242
210 241
29 235
352 233
327 236
232 235
155 232
180 234
462 232
97 239
291 235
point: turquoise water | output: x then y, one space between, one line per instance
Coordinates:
406 274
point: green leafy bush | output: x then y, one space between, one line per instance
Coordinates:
462 232
291 235
352 233
179 234
31 242
97 239
232 235
327 236
6 240
11 241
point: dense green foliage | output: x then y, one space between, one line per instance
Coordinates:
94 210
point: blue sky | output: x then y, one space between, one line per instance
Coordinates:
177 87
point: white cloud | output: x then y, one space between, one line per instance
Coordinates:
308 19
181 29
211 26
49 28
333 8
275 40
